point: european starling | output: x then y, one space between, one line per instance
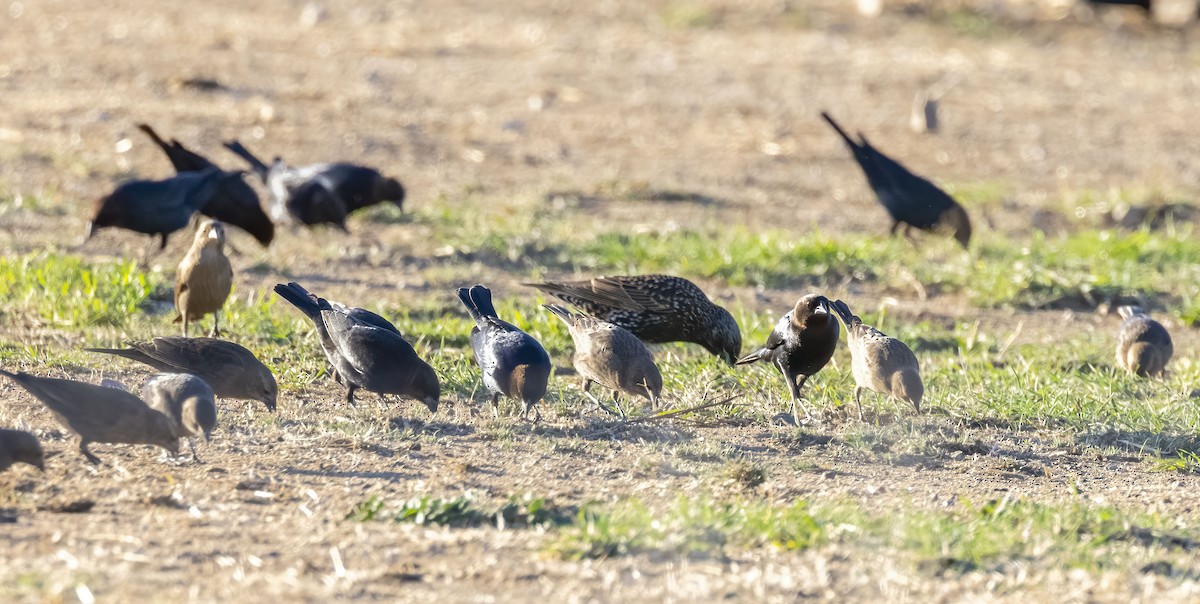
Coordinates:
204 278
366 356
230 369
911 201
19 446
188 401
801 344
98 414
611 356
879 362
512 362
235 202
655 308
1143 346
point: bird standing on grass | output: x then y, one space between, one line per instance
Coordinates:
611 356
188 401
204 278
880 362
99 414
1143 345
655 308
911 201
512 362
801 344
19 446
365 356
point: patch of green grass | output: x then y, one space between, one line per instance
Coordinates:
1184 462
463 511
67 291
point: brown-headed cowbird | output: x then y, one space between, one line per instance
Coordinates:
19 446
911 201
98 414
1143 345
204 278
801 344
611 356
879 362
655 308
512 362
365 356
235 202
230 369
188 401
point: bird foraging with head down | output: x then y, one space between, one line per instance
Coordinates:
880 362
188 401
611 356
513 363
1143 345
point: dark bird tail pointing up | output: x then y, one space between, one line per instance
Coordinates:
299 297
153 136
846 137
478 301
256 164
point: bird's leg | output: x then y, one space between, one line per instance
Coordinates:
586 384
617 403
858 401
83 448
215 332
796 386
350 394
598 403
185 323
496 406
192 445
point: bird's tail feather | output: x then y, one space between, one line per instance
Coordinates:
153 136
300 298
838 129
478 300
256 164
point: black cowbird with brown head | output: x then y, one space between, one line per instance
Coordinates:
880 362
19 446
1143 345
513 363
655 308
365 356
911 201
235 202
801 344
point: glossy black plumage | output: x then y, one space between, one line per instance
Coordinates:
655 308
365 356
801 344
158 207
911 200
512 362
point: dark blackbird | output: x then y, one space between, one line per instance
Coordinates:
911 201
611 356
512 362
158 207
19 446
363 315
188 401
801 344
235 203
880 362
366 356
99 414
655 308
1143 345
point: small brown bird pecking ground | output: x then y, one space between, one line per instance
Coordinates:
1143 345
611 356
19 446
204 278
880 362
189 402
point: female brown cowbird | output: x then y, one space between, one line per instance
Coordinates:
19 446
230 369
800 345
366 356
911 201
655 308
512 362
99 414
611 356
204 278
188 401
879 362
1143 345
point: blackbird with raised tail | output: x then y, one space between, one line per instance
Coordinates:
801 344
513 363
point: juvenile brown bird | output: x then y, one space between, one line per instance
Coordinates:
655 308
800 345
1143 345
611 356
230 369
204 278
513 363
911 201
879 362
98 414
19 446
188 401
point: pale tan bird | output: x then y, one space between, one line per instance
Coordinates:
19 446
880 362
205 277
188 401
611 356
1143 345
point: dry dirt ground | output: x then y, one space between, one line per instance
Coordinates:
509 100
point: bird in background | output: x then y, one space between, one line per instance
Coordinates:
880 362
655 308
512 362
229 368
801 344
611 356
99 414
19 446
912 201
188 401
204 278
365 356
1143 345
235 203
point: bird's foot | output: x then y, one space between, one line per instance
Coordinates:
602 405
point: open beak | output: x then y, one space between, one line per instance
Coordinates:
824 307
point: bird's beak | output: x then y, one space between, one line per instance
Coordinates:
432 403
41 465
824 307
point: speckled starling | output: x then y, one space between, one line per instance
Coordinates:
512 362
801 344
879 362
1143 345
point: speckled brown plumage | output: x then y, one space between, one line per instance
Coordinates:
1143 345
801 344
880 362
204 278
611 356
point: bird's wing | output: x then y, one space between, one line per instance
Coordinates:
364 346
